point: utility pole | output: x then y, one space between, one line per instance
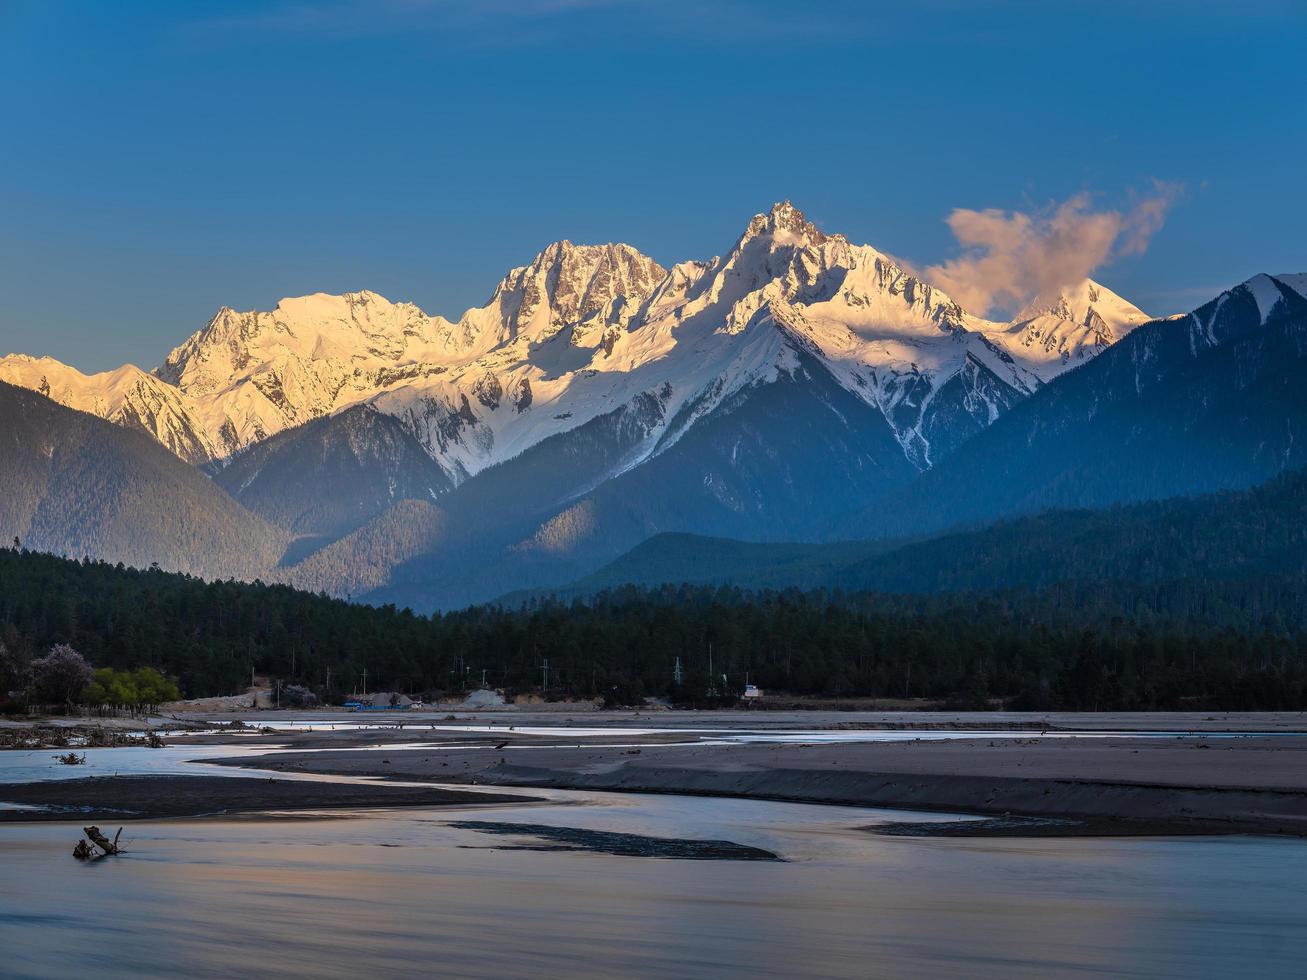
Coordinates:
483 678
677 672
545 667
365 682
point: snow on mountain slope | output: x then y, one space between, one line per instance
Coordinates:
583 330
710 329
1269 292
1212 400
1057 331
127 396
1296 281
1240 309
253 374
589 289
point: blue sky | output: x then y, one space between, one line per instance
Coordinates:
162 159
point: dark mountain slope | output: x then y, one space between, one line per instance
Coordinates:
479 521
74 484
329 476
1229 536
1210 401
679 558
363 560
771 462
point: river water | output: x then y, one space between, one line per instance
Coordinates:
403 893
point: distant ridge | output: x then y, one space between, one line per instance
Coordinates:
1243 535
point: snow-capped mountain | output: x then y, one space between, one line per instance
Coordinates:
583 330
1070 326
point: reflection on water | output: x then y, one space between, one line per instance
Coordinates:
406 894
393 894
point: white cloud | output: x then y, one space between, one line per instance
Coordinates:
1009 257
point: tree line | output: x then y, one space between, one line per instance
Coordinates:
63 678
1186 643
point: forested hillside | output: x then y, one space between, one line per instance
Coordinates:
1232 535
1219 536
1176 644
75 484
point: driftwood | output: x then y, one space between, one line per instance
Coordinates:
86 850
72 759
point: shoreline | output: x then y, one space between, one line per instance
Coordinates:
1099 783
817 716
1104 787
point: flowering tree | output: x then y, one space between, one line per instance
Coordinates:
61 675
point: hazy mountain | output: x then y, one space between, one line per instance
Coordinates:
362 562
675 558
73 484
1230 535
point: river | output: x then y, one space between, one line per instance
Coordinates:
404 893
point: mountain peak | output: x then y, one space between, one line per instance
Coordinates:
567 284
1267 291
1061 326
784 224
579 329
1079 304
784 216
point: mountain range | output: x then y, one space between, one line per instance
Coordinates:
797 388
